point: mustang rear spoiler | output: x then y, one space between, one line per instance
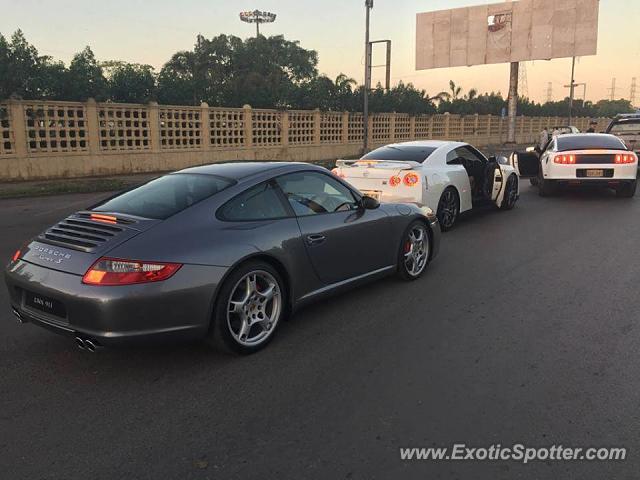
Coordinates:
391 164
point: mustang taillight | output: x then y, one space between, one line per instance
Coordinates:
395 180
625 158
568 159
411 179
116 271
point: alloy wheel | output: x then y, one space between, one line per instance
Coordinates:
448 209
416 250
254 308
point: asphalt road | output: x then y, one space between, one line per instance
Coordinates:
524 329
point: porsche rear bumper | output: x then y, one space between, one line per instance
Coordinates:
177 308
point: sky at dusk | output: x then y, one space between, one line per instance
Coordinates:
151 31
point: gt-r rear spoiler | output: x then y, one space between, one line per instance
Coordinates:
390 164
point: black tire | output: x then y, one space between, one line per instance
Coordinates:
448 209
222 332
546 188
627 190
404 262
511 193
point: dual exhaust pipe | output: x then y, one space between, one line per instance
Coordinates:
87 344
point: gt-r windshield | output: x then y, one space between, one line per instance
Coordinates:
165 196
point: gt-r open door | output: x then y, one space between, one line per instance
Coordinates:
527 164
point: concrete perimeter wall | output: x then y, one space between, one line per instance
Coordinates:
44 140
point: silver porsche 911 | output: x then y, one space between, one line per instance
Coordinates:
222 252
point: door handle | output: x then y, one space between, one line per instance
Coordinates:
315 239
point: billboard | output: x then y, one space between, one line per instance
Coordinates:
506 32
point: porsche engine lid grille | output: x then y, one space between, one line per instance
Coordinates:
80 232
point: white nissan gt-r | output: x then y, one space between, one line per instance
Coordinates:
448 177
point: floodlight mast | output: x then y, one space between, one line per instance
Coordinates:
257 17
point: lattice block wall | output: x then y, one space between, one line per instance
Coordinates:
422 126
483 123
380 128
468 126
356 129
301 128
331 128
123 127
180 128
53 128
226 127
438 129
455 127
6 132
266 127
403 127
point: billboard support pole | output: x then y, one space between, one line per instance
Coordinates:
367 79
512 103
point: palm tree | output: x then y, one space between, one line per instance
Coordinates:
344 84
455 90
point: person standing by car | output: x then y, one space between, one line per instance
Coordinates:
544 138
592 126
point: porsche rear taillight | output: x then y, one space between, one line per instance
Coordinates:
568 159
625 158
117 271
16 255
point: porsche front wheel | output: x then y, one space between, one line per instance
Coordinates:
414 251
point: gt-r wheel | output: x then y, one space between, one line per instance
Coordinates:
248 310
414 251
448 209
510 194
627 190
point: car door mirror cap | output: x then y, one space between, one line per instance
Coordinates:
369 203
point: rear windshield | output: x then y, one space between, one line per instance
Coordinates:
403 153
165 196
587 142
632 127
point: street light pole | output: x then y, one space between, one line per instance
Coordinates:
368 4
571 89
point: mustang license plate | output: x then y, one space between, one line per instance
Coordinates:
595 173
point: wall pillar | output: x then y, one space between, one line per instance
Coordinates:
248 126
93 126
446 125
284 128
412 127
317 123
205 130
18 124
392 127
345 127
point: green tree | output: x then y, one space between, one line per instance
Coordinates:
86 78
131 82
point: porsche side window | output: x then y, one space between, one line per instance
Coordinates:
261 202
311 193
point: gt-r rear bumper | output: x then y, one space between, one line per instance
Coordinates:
177 308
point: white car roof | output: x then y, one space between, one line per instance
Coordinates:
429 143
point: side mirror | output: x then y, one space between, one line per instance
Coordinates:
369 203
530 149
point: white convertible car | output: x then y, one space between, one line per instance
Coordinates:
448 177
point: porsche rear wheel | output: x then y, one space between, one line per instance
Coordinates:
414 251
448 209
249 308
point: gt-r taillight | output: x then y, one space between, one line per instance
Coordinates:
411 179
568 159
116 271
337 172
395 180
625 158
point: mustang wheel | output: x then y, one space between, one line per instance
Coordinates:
448 209
510 194
248 309
546 188
414 251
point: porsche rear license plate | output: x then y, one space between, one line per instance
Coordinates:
595 173
373 194
44 304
